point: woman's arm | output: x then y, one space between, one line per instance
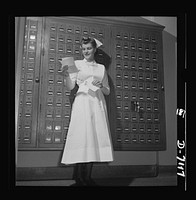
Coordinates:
70 79
105 88
69 82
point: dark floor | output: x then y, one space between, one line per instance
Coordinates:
160 180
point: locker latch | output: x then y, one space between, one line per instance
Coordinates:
37 80
135 106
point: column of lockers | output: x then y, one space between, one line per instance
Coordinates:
29 84
139 90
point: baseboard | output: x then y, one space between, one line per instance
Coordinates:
99 171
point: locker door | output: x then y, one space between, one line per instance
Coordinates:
29 84
142 81
61 38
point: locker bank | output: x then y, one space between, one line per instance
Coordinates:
140 58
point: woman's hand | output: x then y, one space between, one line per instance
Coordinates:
97 83
63 70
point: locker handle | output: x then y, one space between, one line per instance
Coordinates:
37 80
135 106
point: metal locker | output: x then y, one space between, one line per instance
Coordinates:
119 95
146 112
29 83
69 27
77 29
126 65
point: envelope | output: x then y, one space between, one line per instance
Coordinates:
90 85
69 61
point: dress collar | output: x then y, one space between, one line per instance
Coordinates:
91 62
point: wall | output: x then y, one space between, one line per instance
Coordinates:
168 157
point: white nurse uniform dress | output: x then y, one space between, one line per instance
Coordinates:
88 137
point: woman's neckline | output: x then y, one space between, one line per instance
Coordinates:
93 61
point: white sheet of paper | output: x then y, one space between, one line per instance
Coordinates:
69 61
90 85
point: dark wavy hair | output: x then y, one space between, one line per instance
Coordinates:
86 40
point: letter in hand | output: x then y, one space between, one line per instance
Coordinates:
97 83
63 69
69 65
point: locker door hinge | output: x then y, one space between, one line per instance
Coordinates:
43 51
111 35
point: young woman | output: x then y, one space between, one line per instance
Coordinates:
88 139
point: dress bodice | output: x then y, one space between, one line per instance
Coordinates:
89 71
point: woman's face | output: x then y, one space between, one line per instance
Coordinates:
88 51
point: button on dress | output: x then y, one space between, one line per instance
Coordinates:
88 138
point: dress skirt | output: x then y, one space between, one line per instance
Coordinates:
88 137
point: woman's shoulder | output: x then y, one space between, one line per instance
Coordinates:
78 63
101 66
